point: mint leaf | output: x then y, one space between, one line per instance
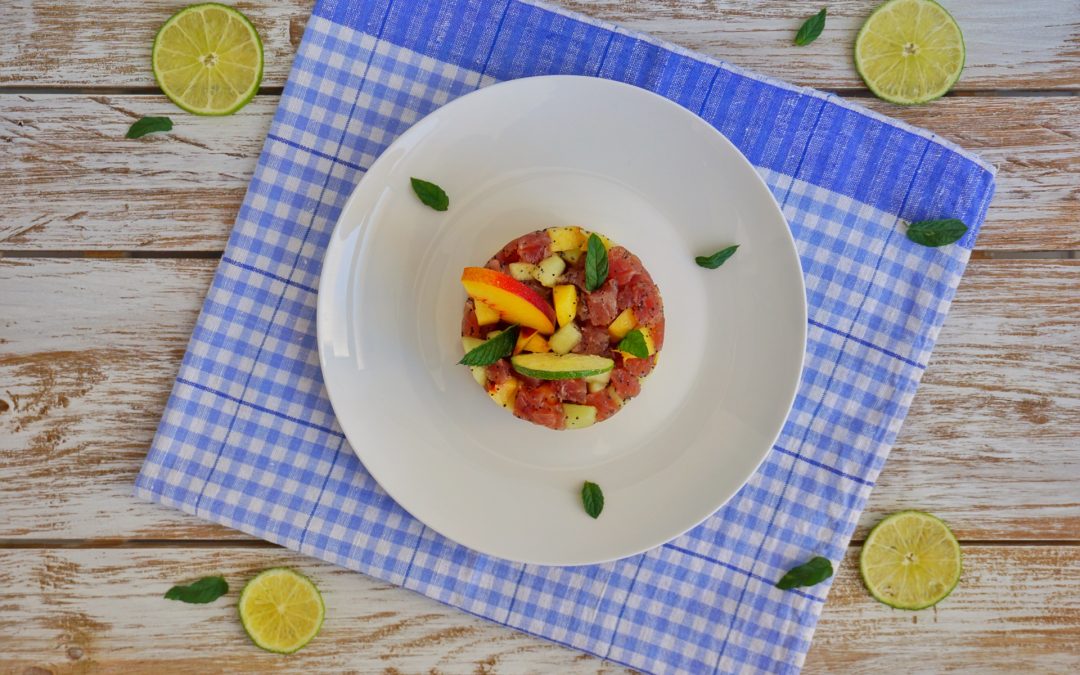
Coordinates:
492 350
811 29
596 264
431 194
148 125
201 592
633 343
592 499
812 572
936 232
711 262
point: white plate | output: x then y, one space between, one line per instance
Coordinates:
520 156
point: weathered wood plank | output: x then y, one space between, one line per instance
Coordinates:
71 181
102 610
990 445
1028 45
56 43
82 387
1016 608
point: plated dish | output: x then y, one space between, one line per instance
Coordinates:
584 345
529 155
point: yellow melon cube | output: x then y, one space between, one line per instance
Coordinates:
565 238
504 394
566 303
623 324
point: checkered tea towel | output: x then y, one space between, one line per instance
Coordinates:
248 438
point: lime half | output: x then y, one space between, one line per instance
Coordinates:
910 560
208 59
909 51
281 610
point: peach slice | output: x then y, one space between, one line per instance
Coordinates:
485 314
514 301
538 345
524 336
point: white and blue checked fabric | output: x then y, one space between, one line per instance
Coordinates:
249 440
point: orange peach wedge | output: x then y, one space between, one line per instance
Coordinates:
515 302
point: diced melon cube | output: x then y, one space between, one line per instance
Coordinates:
479 374
615 396
598 382
623 324
579 416
585 244
470 343
549 270
565 339
504 394
486 314
571 256
565 238
565 297
523 271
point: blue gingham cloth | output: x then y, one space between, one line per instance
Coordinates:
249 440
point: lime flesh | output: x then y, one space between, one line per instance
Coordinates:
910 51
208 59
910 560
281 610
550 366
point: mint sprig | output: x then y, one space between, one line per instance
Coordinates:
596 264
148 125
431 194
936 232
201 592
592 498
811 29
811 572
633 343
500 346
711 262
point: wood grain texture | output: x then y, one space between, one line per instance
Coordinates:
102 611
82 389
990 444
1012 612
71 181
60 43
98 44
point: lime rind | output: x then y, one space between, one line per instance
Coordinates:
926 96
261 644
870 542
243 97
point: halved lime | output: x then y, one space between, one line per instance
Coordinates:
208 59
909 51
910 560
281 610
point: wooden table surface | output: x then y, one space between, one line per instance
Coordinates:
107 247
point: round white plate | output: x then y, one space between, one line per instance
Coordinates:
521 156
